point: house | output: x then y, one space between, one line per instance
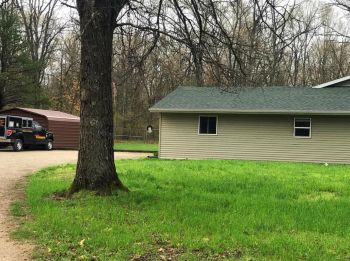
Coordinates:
306 124
65 127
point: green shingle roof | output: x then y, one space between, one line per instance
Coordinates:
284 100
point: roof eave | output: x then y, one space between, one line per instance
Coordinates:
294 112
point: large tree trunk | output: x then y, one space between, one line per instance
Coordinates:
96 170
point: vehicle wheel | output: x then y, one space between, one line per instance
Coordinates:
49 145
18 145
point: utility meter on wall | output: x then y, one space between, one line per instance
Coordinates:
149 129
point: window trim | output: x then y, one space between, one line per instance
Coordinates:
199 124
27 119
14 119
309 128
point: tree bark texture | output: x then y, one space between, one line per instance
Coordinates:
96 168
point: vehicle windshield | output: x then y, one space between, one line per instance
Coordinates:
37 126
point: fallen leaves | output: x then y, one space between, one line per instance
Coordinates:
206 239
81 242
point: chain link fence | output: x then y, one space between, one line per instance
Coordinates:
136 135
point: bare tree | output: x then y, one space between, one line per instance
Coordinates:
64 79
15 66
343 4
41 31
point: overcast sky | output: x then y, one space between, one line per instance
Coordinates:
65 13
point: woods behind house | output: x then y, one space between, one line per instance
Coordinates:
159 45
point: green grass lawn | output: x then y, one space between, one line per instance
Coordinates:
136 146
196 210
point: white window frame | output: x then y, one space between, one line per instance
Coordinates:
26 119
309 128
28 123
199 125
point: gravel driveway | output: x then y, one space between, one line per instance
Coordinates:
13 167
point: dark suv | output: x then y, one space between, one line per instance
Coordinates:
22 132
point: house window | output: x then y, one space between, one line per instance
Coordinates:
24 124
302 127
208 125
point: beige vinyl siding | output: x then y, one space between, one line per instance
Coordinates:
256 137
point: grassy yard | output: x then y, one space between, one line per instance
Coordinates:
196 210
136 146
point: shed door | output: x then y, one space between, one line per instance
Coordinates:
2 126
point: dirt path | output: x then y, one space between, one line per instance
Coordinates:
15 166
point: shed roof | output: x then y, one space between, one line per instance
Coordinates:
51 115
259 100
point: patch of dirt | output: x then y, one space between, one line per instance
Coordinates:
164 251
59 195
163 254
10 249
203 254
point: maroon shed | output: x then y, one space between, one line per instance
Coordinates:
65 127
